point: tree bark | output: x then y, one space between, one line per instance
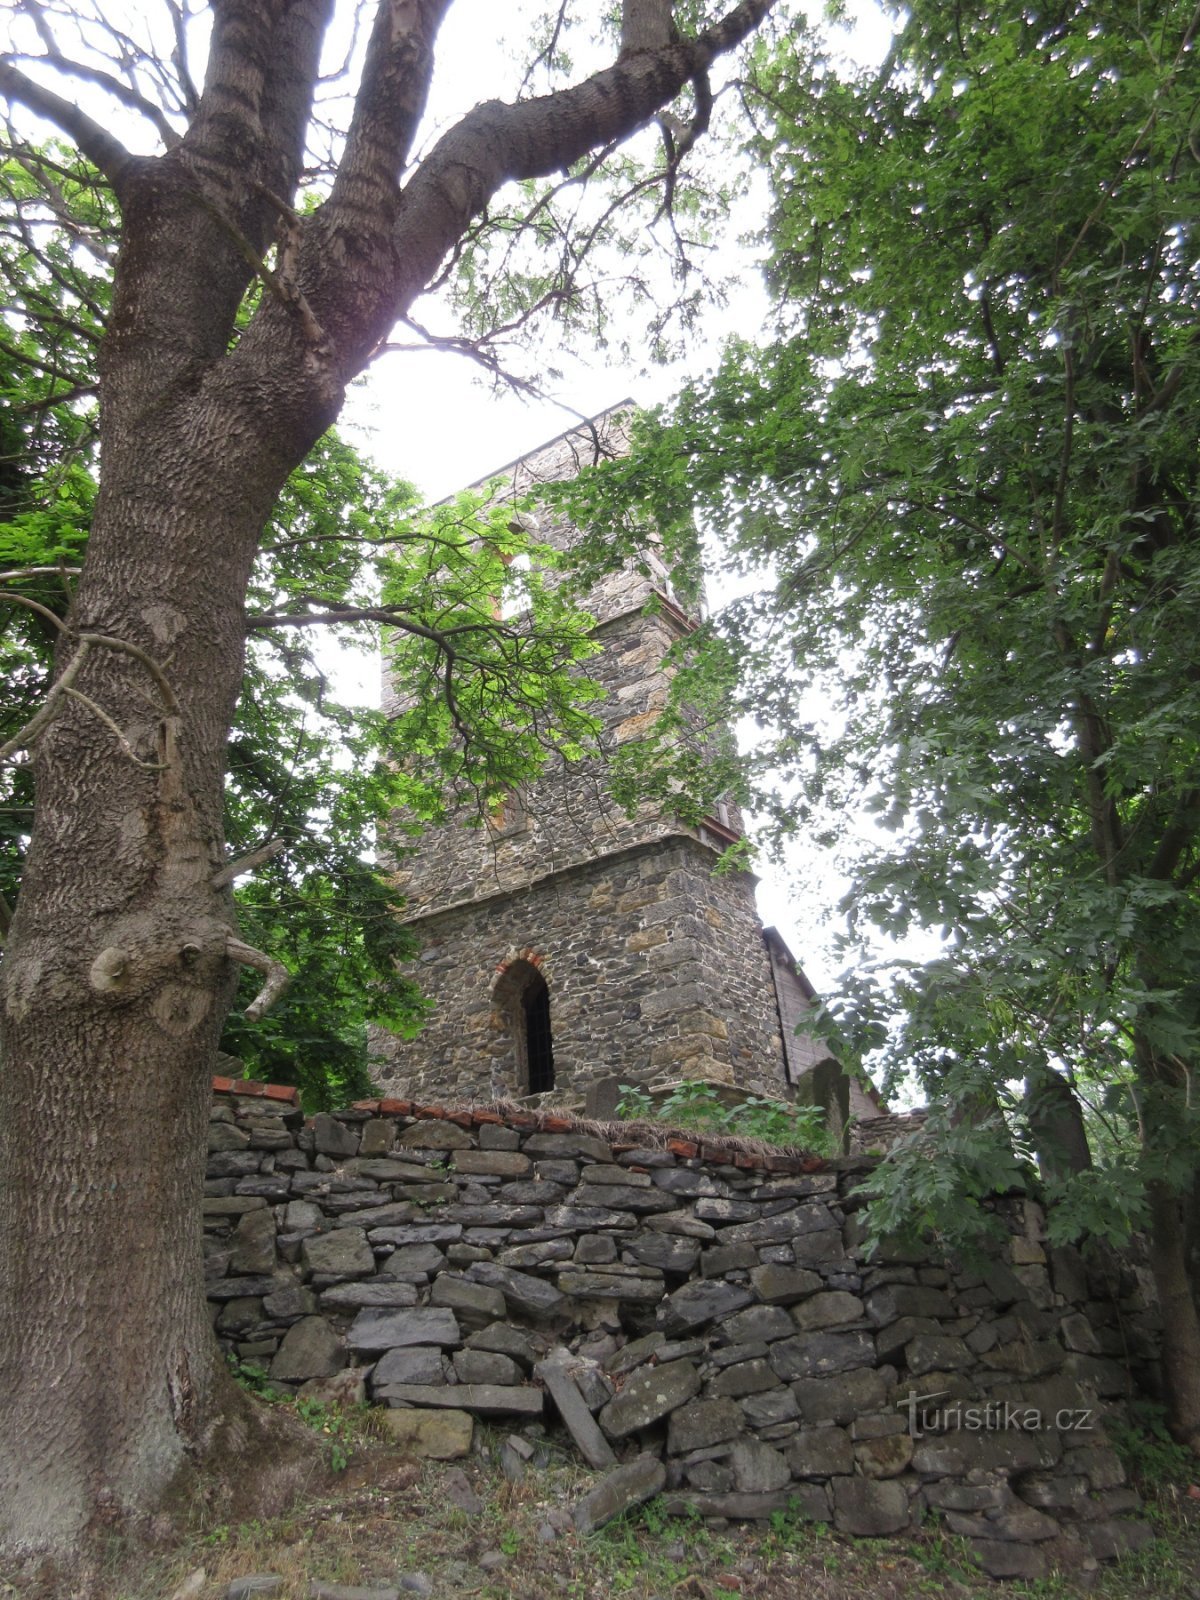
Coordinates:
1181 1323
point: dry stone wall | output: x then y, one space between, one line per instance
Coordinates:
703 1322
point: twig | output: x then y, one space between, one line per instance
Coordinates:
277 975
24 737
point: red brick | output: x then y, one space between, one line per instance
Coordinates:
813 1164
395 1108
683 1147
366 1105
462 1118
222 1085
553 1124
283 1091
480 1117
249 1086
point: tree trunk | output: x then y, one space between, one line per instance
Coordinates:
1181 1323
116 980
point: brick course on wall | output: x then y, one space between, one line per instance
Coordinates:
702 1319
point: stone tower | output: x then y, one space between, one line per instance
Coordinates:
566 943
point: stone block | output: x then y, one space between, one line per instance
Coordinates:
701 1423
368 1292
310 1349
845 1397
485 1366
757 1323
886 1456
492 1163
334 1138
430 1133
341 1253
868 1510
821 1453
758 1468
820 1355
481 1399
416 1363
744 1378
524 1295
827 1310
698 1303
783 1285
475 1303
650 1394
254 1243
377 1329
436 1435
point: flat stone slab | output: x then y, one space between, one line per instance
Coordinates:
379 1329
525 1295
413 1363
576 1418
372 1292
630 1485
481 1399
650 1394
701 1302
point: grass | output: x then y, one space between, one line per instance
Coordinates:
385 1515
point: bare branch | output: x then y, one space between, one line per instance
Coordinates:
119 91
247 863
277 975
96 143
170 704
38 723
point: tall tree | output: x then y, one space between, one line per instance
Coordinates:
123 953
968 465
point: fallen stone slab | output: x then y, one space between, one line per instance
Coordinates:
435 1435
576 1417
482 1399
627 1486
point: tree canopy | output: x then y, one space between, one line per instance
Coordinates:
967 465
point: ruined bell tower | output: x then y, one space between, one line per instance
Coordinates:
565 942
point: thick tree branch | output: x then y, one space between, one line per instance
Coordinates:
277 975
390 101
95 142
247 863
495 143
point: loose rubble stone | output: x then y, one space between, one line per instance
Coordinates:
627 1486
310 1349
821 1453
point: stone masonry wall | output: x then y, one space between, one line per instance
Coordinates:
704 1322
656 969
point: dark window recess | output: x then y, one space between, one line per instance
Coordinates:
539 1051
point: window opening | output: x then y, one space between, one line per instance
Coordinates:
539 1047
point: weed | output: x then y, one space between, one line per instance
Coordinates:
698 1105
1148 1453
